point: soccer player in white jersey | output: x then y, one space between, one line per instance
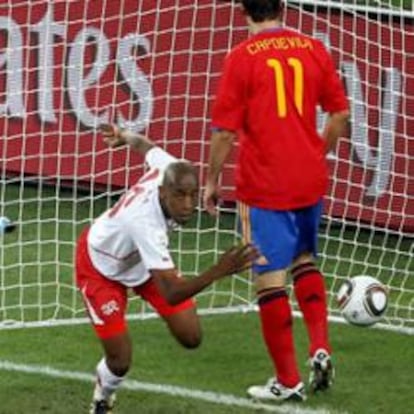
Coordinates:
127 247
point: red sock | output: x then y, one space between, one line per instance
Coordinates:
276 318
311 296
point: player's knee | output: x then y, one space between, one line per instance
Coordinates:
303 268
192 340
270 280
303 258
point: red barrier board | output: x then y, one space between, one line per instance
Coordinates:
67 66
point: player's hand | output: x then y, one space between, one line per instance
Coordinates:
210 198
236 259
112 135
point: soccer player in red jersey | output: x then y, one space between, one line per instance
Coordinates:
127 248
268 96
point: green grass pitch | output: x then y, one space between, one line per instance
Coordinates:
373 367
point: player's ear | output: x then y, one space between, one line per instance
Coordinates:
161 190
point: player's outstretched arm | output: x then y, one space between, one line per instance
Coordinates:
175 289
115 136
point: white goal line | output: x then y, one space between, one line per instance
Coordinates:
12 324
172 390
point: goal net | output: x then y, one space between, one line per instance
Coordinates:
67 66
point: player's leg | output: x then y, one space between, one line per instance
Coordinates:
185 326
105 302
112 331
115 365
275 236
182 319
309 287
310 293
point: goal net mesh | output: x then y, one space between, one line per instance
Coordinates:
68 66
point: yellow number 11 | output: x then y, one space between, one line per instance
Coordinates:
297 67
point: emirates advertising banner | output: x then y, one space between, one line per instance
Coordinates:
68 66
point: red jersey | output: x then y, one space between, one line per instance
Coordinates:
269 91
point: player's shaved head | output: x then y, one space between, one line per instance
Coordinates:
176 171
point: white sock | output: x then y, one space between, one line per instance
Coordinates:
107 382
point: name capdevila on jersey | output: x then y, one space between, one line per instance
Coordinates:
279 43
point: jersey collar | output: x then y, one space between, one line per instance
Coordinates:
271 30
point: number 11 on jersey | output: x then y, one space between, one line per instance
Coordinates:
280 85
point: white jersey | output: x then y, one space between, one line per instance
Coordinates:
131 238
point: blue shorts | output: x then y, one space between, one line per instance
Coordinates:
281 236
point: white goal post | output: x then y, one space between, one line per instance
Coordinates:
67 66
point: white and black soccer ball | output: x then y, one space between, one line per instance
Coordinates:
362 300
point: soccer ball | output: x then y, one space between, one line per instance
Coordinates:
362 300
